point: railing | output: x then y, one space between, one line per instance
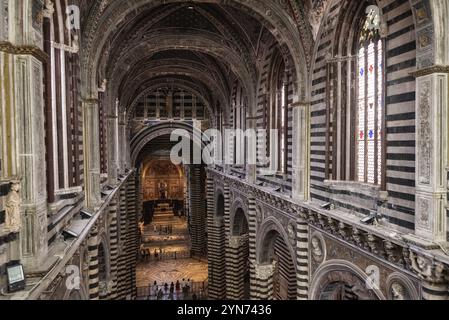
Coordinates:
146 255
198 291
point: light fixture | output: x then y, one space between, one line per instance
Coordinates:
68 234
85 215
372 218
328 206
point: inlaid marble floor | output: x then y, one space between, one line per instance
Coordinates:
169 271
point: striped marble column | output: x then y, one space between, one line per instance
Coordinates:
93 264
262 285
122 271
252 217
236 264
197 211
302 259
139 199
227 213
285 284
215 247
113 242
133 238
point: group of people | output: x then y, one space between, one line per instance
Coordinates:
160 254
172 291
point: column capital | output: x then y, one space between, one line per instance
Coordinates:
237 241
264 272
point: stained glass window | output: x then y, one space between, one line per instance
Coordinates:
370 107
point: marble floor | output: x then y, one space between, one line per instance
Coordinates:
168 236
169 271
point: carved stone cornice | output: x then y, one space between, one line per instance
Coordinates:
430 70
24 50
396 250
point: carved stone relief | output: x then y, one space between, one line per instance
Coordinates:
13 222
423 213
316 14
401 288
291 231
424 134
333 249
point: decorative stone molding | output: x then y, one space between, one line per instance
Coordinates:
24 50
430 70
426 269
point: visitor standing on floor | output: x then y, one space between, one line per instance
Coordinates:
178 287
160 295
155 288
184 288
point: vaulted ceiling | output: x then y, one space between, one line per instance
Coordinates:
202 45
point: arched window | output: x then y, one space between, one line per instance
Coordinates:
282 104
278 114
370 102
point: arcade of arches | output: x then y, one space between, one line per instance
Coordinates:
348 200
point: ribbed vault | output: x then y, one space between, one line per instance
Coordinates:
203 45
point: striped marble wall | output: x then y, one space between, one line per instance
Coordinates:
400 56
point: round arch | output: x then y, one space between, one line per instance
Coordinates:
238 216
339 270
219 203
148 134
265 236
154 86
